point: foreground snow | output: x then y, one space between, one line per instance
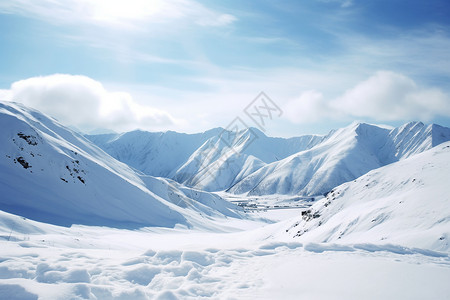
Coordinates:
102 263
247 261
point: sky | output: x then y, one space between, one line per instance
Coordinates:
190 66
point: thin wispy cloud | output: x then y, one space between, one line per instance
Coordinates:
127 14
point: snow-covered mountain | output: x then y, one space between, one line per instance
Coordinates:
154 153
54 175
252 163
403 203
224 160
213 160
343 155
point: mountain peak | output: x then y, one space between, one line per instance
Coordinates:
413 124
253 131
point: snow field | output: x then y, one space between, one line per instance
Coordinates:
272 270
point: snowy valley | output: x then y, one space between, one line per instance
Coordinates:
360 213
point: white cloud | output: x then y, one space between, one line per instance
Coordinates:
385 96
5 94
388 96
87 104
83 102
307 108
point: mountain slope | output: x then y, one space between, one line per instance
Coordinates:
54 175
406 203
154 153
223 161
213 160
343 155
250 162
410 139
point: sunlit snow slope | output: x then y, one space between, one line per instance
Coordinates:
405 203
51 174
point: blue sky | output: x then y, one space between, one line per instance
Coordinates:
192 65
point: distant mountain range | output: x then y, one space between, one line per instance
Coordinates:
249 162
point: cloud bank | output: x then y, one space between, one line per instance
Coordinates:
84 103
385 96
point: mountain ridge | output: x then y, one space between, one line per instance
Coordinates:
52 174
249 162
344 155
